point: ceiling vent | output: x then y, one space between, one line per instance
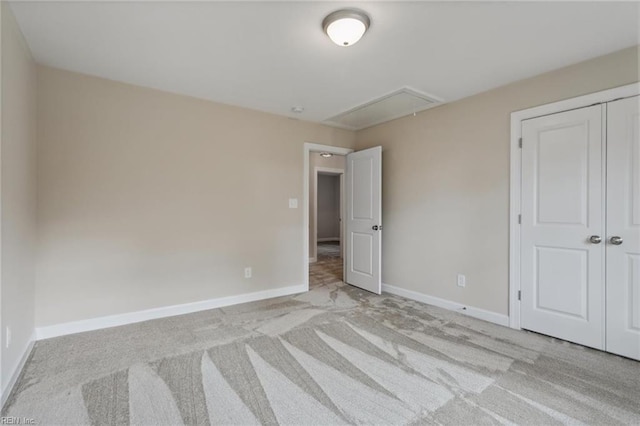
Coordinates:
389 107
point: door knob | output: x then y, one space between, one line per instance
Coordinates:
616 241
374 227
595 239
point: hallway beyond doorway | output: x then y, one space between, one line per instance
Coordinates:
328 268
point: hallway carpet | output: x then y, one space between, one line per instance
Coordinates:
328 250
334 355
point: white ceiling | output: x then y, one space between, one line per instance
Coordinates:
271 56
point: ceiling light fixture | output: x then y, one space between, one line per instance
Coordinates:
346 26
326 154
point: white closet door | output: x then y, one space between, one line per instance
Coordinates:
623 227
562 267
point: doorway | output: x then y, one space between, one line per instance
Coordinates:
326 199
361 215
310 153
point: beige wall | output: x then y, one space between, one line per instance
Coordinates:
446 183
316 160
17 194
148 199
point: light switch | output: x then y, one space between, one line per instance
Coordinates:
293 203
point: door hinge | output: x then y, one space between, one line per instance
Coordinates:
519 295
519 219
520 143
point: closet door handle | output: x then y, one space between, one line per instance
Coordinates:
595 239
616 241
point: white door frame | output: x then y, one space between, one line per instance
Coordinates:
516 173
331 172
308 148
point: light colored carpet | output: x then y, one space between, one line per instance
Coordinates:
334 355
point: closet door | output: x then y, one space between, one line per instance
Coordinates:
623 227
562 240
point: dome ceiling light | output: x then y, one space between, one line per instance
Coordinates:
346 26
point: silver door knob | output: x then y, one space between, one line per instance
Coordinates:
374 227
595 239
616 241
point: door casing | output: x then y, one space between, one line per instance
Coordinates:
515 174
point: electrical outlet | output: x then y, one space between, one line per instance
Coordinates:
462 280
247 272
8 337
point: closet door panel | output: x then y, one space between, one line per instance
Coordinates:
562 269
623 222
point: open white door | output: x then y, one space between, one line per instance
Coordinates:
364 219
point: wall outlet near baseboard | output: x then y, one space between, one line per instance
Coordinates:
462 280
247 272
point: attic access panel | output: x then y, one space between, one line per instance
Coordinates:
398 104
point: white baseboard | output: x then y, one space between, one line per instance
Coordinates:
166 311
16 372
313 259
329 239
482 314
